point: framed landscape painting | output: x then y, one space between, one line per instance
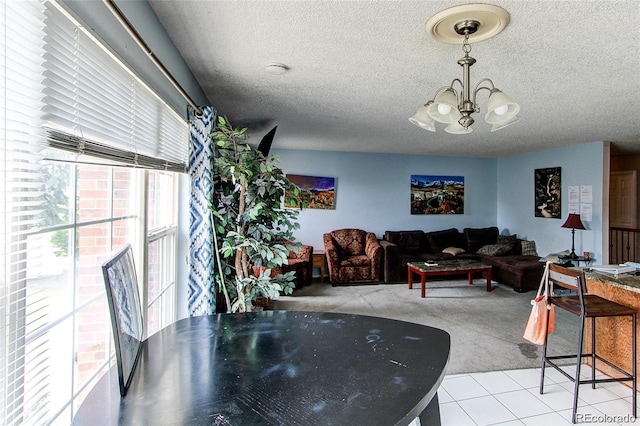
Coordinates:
547 191
437 194
315 192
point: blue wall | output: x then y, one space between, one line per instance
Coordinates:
581 165
372 193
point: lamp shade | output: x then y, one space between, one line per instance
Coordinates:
498 126
457 129
573 222
500 108
444 108
422 118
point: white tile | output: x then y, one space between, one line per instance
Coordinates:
596 418
586 415
494 398
527 378
556 397
496 382
591 396
618 408
451 414
415 422
546 420
516 422
463 387
585 371
551 375
618 388
486 410
523 404
443 396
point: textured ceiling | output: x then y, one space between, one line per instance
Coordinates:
359 69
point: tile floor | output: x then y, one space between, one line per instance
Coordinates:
511 397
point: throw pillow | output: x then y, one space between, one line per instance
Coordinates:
440 240
453 251
480 237
508 240
528 248
494 250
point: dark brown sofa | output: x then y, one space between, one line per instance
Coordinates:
509 266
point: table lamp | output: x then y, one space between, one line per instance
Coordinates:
573 222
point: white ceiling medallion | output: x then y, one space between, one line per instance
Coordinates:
492 20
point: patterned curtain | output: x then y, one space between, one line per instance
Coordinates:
202 299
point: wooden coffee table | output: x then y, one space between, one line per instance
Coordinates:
447 267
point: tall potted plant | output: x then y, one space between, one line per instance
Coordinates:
253 232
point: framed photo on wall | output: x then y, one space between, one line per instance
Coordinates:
316 192
547 191
437 194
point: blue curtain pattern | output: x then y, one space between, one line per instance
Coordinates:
202 299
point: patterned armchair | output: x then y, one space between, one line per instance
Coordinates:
298 261
352 255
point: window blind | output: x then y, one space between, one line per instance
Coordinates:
95 105
21 71
60 91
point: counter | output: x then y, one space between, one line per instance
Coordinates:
613 334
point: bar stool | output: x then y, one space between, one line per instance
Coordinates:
586 306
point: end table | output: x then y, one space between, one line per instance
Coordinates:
568 261
318 261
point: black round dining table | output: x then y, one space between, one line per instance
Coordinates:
279 368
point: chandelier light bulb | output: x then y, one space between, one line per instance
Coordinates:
444 109
501 110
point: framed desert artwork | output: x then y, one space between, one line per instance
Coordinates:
432 194
547 190
316 192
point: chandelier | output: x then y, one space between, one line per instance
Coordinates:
455 107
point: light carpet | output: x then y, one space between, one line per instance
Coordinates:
486 327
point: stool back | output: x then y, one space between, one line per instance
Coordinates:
568 278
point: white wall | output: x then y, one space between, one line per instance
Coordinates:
372 191
581 165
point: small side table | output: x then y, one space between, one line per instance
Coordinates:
568 261
318 261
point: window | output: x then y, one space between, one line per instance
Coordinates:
161 243
74 188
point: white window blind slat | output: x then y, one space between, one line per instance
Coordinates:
109 105
61 92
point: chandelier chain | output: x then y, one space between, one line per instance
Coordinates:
466 47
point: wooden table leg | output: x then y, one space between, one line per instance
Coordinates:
410 280
488 279
470 274
423 285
